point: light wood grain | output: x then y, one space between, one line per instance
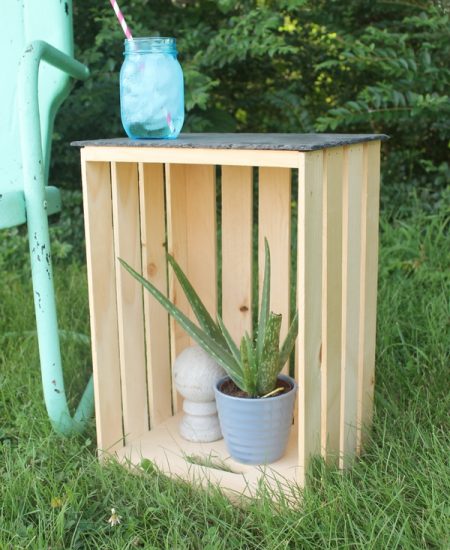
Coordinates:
336 279
237 200
191 230
233 157
309 289
274 223
351 299
154 268
125 198
102 304
369 278
177 246
332 302
169 451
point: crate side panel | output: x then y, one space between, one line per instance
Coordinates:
176 189
309 291
369 278
191 231
237 201
332 302
202 233
125 195
274 223
351 299
96 178
230 157
154 269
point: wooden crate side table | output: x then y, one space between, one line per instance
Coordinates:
142 198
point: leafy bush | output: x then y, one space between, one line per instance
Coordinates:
401 79
285 66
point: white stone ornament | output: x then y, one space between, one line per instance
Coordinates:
195 374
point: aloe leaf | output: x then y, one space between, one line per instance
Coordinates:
269 367
229 340
289 341
246 372
216 351
204 318
253 364
265 302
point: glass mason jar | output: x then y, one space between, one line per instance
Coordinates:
151 89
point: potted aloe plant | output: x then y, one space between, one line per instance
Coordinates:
254 401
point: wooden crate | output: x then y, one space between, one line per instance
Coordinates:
142 198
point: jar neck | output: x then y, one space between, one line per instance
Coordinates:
152 44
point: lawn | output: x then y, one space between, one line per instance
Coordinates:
54 494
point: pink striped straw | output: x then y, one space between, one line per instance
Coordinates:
121 19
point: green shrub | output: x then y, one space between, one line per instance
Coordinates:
285 66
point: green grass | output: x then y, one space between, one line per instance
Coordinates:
54 494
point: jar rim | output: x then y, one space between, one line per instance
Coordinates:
169 39
151 44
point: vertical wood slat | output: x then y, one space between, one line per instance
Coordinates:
191 231
351 267
369 278
332 302
96 178
309 341
274 223
237 201
154 268
177 246
125 198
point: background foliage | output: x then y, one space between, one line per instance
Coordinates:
284 66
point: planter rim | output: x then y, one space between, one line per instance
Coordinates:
255 400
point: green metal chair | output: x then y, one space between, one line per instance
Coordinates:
37 61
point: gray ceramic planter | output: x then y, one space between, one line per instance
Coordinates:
256 431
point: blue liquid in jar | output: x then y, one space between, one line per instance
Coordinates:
151 89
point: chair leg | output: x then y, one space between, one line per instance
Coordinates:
40 255
47 330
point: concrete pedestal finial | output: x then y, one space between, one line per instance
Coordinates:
195 374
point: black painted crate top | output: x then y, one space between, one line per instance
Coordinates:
267 142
